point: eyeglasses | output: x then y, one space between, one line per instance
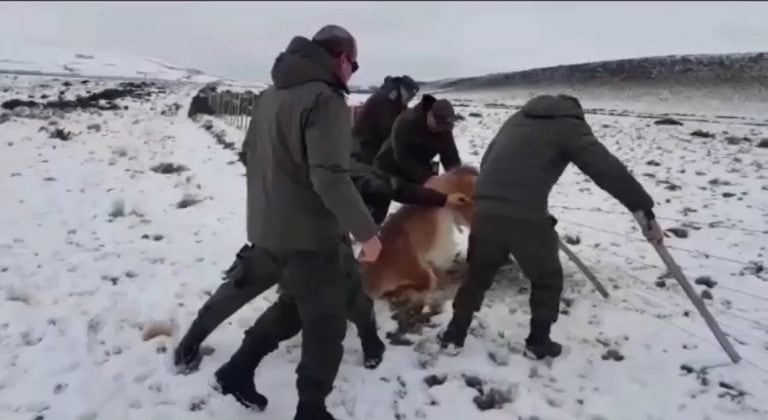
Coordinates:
355 65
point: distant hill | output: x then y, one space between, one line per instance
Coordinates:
686 70
59 62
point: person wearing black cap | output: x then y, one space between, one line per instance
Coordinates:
419 135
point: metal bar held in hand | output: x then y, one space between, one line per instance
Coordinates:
677 272
584 269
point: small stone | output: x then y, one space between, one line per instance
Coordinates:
678 232
435 380
718 181
613 354
763 144
118 209
728 194
168 168
157 237
59 388
735 141
187 201
197 404
706 295
61 134
668 121
705 281
94 127
499 357
474 382
130 274
145 236
660 284
703 134
653 163
493 399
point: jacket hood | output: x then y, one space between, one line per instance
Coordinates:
550 106
426 103
303 62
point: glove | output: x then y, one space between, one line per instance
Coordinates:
553 220
650 227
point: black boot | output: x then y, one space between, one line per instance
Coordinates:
236 376
312 411
538 345
456 332
373 349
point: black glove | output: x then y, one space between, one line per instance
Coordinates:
552 220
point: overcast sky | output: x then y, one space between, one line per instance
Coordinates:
428 40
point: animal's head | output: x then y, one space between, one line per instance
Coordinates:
458 180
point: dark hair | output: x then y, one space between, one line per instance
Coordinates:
335 40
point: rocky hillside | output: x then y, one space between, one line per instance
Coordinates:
686 70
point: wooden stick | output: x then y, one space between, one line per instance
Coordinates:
584 269
677 272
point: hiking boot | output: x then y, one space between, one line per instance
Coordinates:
373 350
452 339
236 376
238 382
538 351
538 345
312 411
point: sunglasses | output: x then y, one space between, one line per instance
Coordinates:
355 65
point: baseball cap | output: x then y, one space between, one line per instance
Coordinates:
443 112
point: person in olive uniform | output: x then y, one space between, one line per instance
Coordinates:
302 207
518 170
419 135
374 122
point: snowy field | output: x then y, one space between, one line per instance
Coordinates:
84 62
96 244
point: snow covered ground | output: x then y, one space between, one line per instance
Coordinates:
68 62
94 246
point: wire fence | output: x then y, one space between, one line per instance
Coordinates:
235 108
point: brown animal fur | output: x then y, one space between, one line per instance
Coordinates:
417 241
